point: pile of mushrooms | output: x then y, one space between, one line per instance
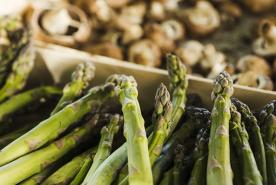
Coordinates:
144 31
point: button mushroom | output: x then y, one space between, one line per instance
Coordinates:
157 34
132 14
101 10
229 12
251 79
202 19
106 49
255 64
265 45
173 29
129 21
190 52
212 61
145 52
156 11
117 3
258 5
66 25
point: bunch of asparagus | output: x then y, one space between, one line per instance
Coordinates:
50 135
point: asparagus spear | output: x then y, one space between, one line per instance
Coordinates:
198 117
78 179
255 138
239 138
80 80
107 171
165 161
137 143
160 118
179 83
11 136
267 119
36 161
41 176
236 167
198 176
168 178
67 172
178 165
52 127
21 69
219 168
105 146
23 99
13 37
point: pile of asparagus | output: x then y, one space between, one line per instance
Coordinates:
83 135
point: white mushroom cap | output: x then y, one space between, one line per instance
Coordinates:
203 18
252 79
190 52
134 32
259 5
253 63
211 57
101 10
265 45
145 52
173 29
157 11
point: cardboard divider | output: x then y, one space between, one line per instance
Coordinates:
55 64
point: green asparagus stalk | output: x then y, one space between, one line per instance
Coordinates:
268 127
137 143
107 171
11 136
178 84
219 168
168 178
67 172
21 69
255 138
160 119
78 179
178 164
123 174
105 146
52 127
198 118
23 99
239 138
236 167
35 162
41 176
198 176
13 37
80 80
165 161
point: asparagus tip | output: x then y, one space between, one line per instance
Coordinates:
223 85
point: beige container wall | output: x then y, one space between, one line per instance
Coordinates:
55 64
